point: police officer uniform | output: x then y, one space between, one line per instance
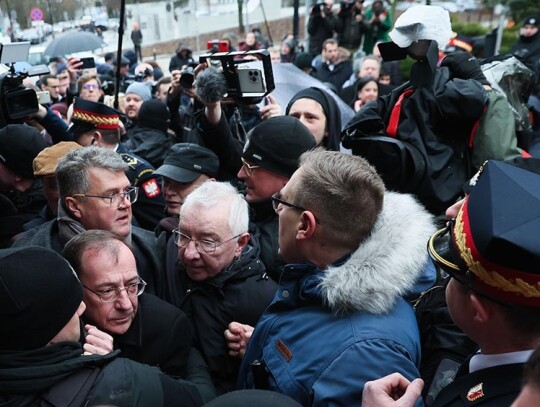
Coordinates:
495 386
492 248
149 208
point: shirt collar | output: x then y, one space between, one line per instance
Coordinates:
480 361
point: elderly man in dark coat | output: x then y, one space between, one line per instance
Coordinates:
214 273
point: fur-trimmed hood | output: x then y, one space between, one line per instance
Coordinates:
387 265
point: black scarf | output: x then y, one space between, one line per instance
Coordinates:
34 371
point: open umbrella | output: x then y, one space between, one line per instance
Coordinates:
70 43
290 80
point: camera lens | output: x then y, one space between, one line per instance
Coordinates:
187 78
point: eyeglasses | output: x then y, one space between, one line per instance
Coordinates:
131 195
276 201
88 86
112 294
202 246
248 167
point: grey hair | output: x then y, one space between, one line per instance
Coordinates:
369 57
344 192
213 193
72 169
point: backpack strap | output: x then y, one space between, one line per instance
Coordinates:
475 127
73 390
391 129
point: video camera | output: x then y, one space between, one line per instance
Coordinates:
248 74
17 102
140 77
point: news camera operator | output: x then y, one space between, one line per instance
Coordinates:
183 105
19 104
351 26
378 23
322 24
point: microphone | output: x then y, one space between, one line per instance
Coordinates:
210 86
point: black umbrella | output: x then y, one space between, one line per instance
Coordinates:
69 43
290 80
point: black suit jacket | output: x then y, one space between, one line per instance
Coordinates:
160 335
496 386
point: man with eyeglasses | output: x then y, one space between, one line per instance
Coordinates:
97 124
96 194
214 273
46 358
267 161
89 87
340 317
145 328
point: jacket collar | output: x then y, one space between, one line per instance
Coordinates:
387 265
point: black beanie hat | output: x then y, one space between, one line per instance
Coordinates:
19 145
154 114
277 143
39 294
331 111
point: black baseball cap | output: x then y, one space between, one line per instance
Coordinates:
19 145
185 162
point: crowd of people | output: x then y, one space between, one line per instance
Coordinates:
188 248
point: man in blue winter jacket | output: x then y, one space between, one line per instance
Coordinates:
339 318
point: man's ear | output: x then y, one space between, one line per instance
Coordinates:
72 205
482 308
97 138
306 225
242 241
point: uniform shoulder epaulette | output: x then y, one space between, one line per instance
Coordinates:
133 162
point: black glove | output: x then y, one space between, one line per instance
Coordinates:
464 66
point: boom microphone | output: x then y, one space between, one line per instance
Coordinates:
210 86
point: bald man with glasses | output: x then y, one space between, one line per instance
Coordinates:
145 328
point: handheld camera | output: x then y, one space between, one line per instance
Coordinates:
248 74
